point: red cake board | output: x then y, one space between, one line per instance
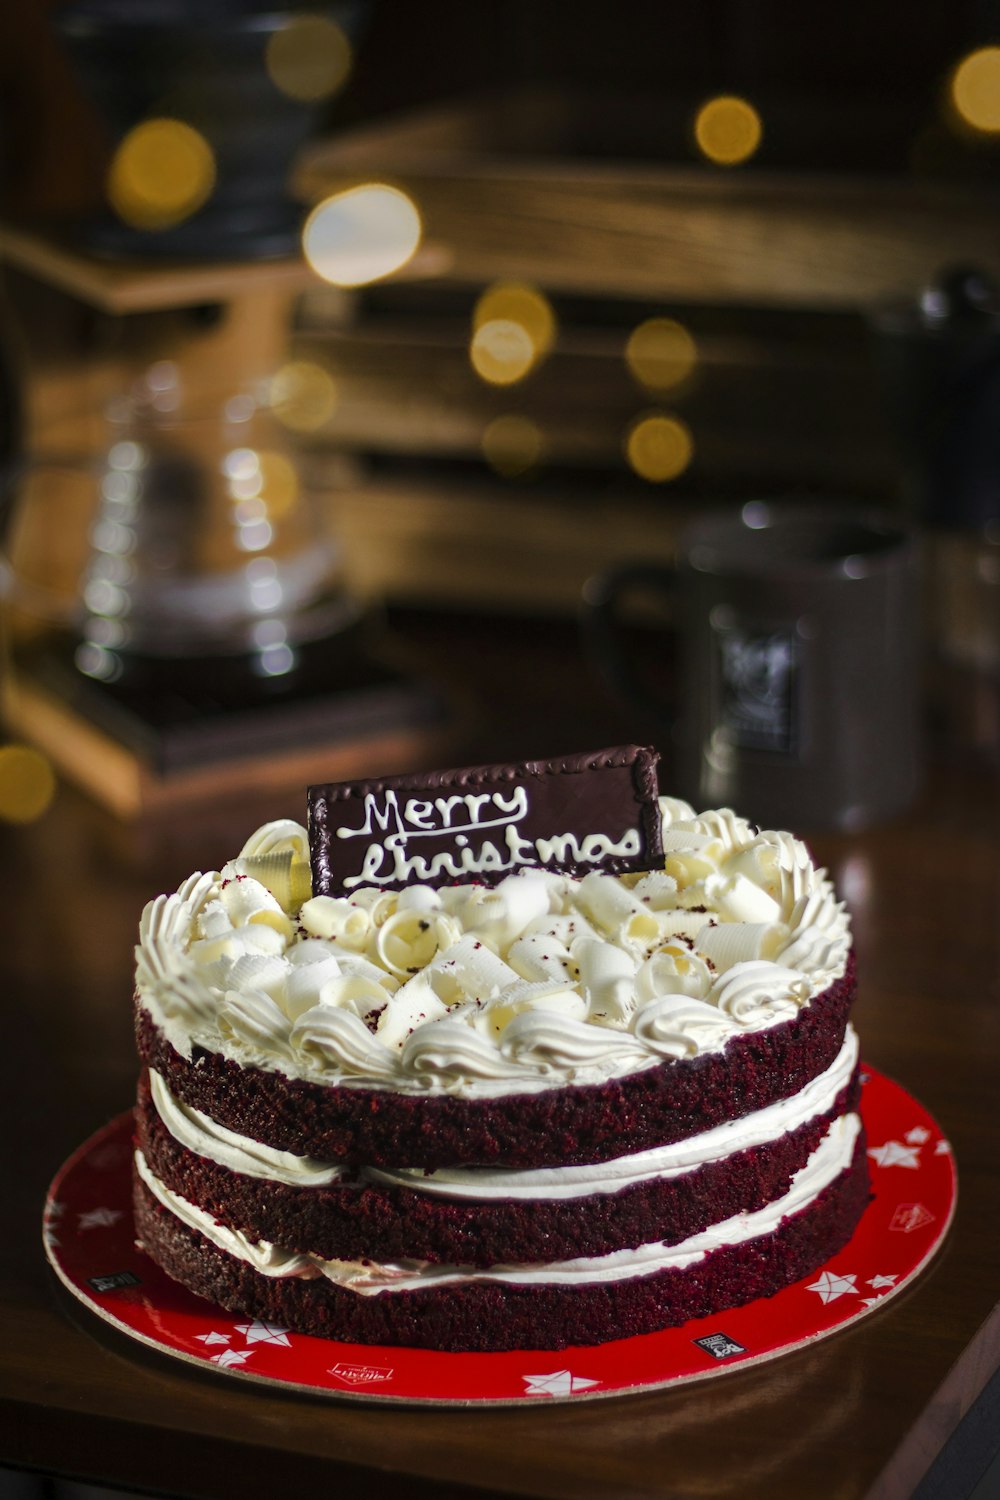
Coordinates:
89 1239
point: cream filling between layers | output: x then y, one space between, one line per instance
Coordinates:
240 1153
832 1157
200 1134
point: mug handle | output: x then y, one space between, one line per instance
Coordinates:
601 629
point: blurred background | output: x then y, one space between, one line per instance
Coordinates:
344 347
344 343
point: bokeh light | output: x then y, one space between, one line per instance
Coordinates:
513 444
727 130
516 302
660 353
162 172
264 487
303 395
279 483
513 329
309 58
27 784
273 655
975 90
160 386
362 234
502 351
659 446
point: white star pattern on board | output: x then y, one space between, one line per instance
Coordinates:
943 1148
230 1357
213 1338
54 1209
264 1333
871 1301
917 1135
895 1154
877 1281
830 1286
559 1383
99 1218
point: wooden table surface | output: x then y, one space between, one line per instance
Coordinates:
860 1414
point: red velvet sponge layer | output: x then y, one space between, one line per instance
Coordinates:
490 1316
355 1219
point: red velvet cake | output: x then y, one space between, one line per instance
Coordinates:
523 1111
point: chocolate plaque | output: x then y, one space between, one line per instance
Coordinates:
571 815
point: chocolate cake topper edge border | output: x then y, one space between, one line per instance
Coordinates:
569 814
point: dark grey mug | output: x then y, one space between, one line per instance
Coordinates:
798 642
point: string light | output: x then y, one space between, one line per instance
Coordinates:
975 90
660 353
279 483
309 59
362 234
659 447
162 172
303 395
727 130
502 351
517 302
514 327
512 445
27 784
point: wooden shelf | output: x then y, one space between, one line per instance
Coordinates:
261 753
130 286
514 188
526 549
405 385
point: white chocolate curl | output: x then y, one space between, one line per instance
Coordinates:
278 856
244 898
547 995
336 918
479 991
675 970
737 899
410 940
607 974
730 943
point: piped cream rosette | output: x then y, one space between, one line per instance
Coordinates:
480 991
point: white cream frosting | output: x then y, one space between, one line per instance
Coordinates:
539 981
481 1184
831 1157
206 1138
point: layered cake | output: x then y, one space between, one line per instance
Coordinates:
511 1057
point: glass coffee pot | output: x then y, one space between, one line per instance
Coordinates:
177 557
